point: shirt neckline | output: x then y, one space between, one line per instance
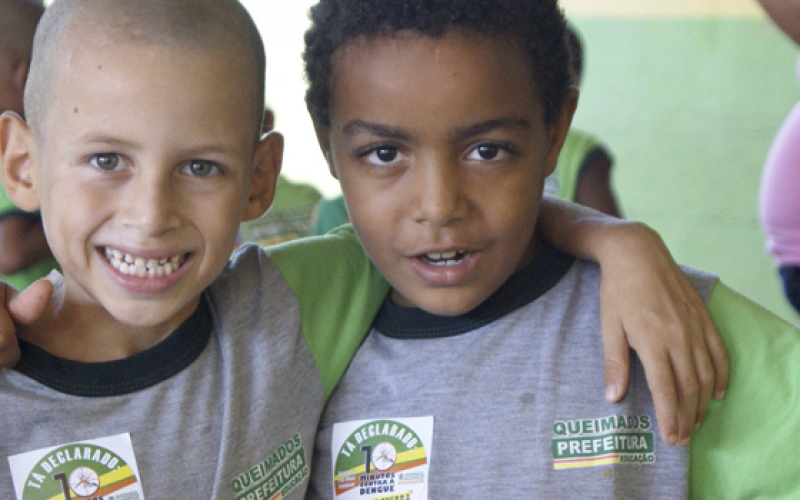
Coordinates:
115 378
522 288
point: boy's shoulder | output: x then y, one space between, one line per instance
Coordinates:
326 286
704 282
320 263
745 443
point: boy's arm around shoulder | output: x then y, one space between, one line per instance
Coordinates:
649 305
339 291
749 444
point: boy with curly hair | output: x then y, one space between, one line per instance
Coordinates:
442 120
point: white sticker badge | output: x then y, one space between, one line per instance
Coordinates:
97 468
382 459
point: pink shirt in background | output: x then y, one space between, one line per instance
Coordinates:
780 193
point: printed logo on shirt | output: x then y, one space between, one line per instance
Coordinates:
381 459
103 468
276 476
616 439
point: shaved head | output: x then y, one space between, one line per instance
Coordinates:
220 28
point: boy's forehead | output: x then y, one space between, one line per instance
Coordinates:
148 68
221 29
401 41
465 54
137 96
78 57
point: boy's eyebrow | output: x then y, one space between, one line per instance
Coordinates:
506 123
214 149
99 138
356 126
113 142
493 124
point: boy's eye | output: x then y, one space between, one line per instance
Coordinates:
201 168
485 152
384 155
106 161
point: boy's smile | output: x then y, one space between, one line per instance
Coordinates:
142 188
441 149
144 267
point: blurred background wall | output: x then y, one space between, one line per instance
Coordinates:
689 95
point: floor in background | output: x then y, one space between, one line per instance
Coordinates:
689 108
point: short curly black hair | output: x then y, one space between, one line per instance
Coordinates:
537 25
576 51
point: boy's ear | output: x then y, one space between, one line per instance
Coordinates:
558 131
18 155
267 162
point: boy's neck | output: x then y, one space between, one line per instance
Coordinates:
534 248
78 331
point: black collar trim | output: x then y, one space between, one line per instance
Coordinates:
115 378
521 289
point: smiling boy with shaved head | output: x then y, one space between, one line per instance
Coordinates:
142 149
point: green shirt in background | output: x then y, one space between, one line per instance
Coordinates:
20 280
580 149
331 213
288 218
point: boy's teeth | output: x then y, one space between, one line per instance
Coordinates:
440 256
138 266
451 258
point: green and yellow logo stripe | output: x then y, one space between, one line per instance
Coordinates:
111 481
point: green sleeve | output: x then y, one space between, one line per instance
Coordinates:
749 444
339 291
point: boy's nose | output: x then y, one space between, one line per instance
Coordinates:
150 205
438 194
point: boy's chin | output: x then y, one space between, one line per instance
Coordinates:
152 318
442 302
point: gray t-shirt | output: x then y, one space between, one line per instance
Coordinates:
226 407
515 389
